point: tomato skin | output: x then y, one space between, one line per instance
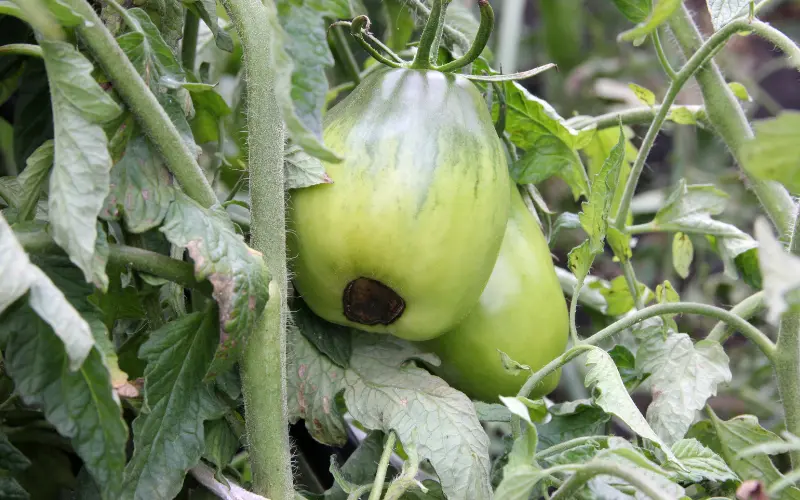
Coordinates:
419 203
521 312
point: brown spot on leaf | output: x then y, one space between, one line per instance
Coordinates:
301 371
326 404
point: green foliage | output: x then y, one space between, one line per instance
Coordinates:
772 153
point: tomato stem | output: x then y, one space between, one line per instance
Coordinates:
481 39
431 36
359 28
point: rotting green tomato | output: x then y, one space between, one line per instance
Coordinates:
521 312
404 240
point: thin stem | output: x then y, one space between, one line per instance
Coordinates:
573 307
728 119
264 361
572 443
383 465
695 62
456 36
144 105
481 39
779 39
21 49
430 34
342 49
632 116
513 77
662 57
586 472
630 280
191 27
139 259
358 492
745 309
359 28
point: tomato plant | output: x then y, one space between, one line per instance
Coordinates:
266 249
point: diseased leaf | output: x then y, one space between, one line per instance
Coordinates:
610 395
724 11
643 94
237 272
580 260
21 276
682 254
169 433
699 462
80 179
661 12
772 154
683 376
781 272
81 404
141 188
513 367
303 170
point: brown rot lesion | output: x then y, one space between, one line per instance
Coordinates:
370 302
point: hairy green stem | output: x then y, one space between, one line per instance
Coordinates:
630 280
586 472
662 57
779 39
481 39
429 41
787 361
745 309
383 465
264 360
726 115
632 116
142 260
572 443
21 49
359 28
144 105
191 27
573 308
453 34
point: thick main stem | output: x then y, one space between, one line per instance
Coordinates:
264 361
431 34
729 120
144 105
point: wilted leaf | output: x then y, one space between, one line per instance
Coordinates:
80 178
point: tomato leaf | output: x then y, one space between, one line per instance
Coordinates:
360 467
724 11
11 459
661 12
237 272
32 179
141 188
594 212
520 477
682 254
20 276
699 463
635 10
207 11
168 434
683 375
579 418
740 433
772 154
32 111
80 179
643 94
781 272
610 395
81 404
303 170
220 444
740 91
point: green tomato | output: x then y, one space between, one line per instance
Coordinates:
404 239
521 312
